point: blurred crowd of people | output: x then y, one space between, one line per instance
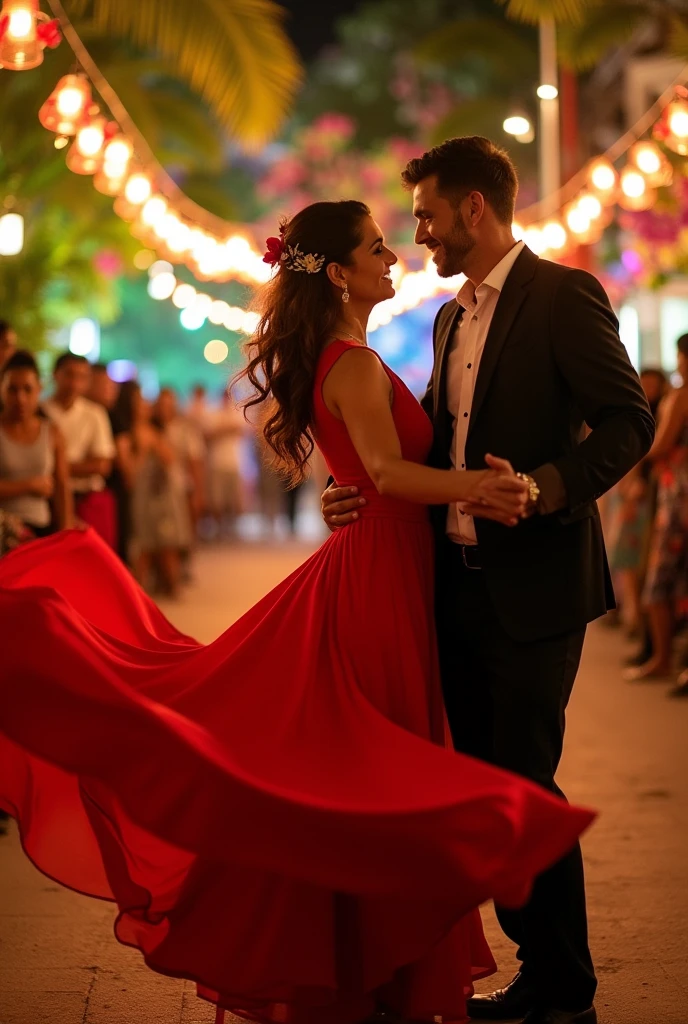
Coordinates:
150 477
646 523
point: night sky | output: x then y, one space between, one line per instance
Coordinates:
310 23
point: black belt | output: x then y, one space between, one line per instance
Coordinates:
468 554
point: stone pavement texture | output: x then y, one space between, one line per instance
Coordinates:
626 754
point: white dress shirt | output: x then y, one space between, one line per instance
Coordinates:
465 352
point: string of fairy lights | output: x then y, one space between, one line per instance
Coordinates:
101 141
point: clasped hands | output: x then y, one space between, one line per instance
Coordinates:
497 494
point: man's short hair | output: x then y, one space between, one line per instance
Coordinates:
68 357
468 164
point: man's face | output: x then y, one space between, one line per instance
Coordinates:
72 379
442 227
103 389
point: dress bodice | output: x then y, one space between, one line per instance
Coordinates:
412 425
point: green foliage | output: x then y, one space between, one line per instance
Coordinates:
56 278
234 55
150 334
371 75
533 11
605 27
187 74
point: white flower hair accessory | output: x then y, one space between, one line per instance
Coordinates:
303 262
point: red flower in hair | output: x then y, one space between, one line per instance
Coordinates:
274 252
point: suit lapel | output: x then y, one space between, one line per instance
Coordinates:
439 386
511 299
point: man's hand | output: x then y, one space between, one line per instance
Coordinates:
500 495
338 506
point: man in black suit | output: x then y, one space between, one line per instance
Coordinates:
526 358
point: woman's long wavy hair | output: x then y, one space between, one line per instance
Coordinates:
299 312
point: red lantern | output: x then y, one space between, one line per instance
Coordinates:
672 127
66 106
24 33
86 152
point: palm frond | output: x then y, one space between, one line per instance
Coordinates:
481 116
581 47
494 41
236 55
534 11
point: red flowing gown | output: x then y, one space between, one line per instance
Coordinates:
277 814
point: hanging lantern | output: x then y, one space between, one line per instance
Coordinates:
86 152
11 234
66 106
117 156
603 179
24 33
672 127
112 176
634 191
652 163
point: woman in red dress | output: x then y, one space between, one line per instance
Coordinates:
278 815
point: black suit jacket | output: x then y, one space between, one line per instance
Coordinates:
553 362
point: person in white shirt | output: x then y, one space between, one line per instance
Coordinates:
224 429
89 444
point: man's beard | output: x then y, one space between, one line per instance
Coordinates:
455 249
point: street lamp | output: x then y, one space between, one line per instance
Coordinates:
548 93
520 127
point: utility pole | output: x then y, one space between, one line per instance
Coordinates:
548 92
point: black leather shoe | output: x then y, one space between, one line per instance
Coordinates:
545 1016
504 1004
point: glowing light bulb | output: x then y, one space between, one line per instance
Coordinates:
218 311
20 24
70 101
590 206
137 189
633 184
603 178
547 92
678 120
516 125
216 351
11 234
160 267
89 139
118 153
184 295
577 219
554 235
162 286
153 211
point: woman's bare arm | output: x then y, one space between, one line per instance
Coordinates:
358 390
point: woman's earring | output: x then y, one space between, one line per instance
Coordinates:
345 293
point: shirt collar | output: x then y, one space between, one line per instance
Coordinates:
495 279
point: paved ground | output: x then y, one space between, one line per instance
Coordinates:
626 755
